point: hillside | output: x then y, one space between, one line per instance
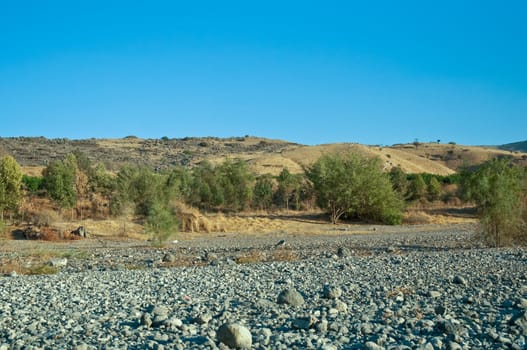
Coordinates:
263 155
515 146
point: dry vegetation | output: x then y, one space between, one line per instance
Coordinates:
263 156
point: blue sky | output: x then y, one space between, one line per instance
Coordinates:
373 72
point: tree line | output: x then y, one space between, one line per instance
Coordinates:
347 186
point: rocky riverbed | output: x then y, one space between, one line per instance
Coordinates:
415 290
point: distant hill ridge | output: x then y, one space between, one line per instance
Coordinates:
515 146
263 155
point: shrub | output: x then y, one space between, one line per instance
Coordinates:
32 184
498 188
160 223
355 186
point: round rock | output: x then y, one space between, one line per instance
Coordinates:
291 297
331 292
235 336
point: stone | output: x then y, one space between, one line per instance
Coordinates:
291 297
452 345
343 252
341 306
434 294
58 262
235 336
440 309
203 318
459 280
520 320
146 320
331 292
304 322
169 258
80 231
369 345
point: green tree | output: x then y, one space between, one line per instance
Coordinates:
263 192
10 185
236 184
32 184
160 223
140 186
434 189
288 188
417 188
498 188
59 182
399 181
356 186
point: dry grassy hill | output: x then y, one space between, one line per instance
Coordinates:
263 155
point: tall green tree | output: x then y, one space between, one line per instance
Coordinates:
141 187
263 192
59 182
356 186
417 188
10 185
236 183
288 188
498 188
399 181
434 189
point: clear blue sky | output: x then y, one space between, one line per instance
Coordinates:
374 72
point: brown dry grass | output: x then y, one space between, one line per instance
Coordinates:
256 256
32 170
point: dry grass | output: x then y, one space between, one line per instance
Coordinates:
32 170
256 256
253 256
284 254
36 261
191 220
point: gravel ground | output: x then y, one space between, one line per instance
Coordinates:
417 290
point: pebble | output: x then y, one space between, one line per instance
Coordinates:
370 299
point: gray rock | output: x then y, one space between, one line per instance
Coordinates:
58 262
146 320
520 320
235 336
369 345
440 309
331 292
203 318
291 297
434 294
304 322
343 252
459 280
80 231
169 258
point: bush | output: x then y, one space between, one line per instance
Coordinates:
498 188
32 184
355 186
160 223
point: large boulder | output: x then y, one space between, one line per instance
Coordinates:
291 297
235 336
80 231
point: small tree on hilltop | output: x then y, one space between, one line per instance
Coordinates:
356 186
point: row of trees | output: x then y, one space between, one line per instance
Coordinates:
346 186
